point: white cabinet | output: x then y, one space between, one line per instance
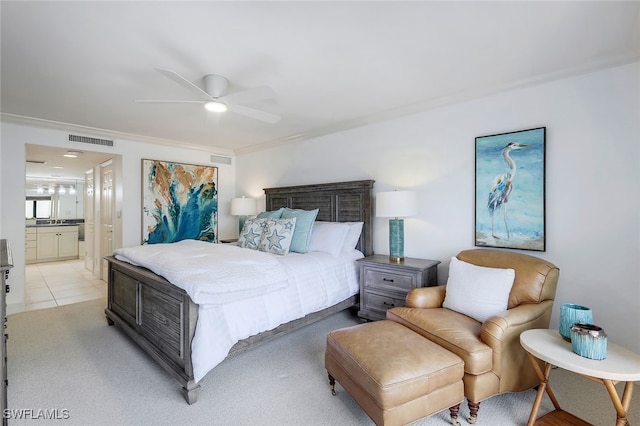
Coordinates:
68 242
30 244
47 246
57 242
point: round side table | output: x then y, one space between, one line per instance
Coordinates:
620 365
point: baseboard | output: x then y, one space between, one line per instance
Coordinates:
15 308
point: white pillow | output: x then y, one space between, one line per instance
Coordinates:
477 291
328 237
251 233
277 235
352 237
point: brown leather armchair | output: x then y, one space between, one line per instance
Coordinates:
494 360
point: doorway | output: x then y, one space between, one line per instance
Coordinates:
54 283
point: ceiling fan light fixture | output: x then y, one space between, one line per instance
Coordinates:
215 106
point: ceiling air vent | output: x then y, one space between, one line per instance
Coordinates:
221 159
93 141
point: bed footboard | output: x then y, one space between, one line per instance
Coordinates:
161 318
157 315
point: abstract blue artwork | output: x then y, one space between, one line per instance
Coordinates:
179 202
510 190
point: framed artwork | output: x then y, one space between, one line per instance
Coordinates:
179 202
510 190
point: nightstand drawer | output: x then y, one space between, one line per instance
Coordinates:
380 302
398 280
384 283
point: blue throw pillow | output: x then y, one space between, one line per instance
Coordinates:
304 224
275 214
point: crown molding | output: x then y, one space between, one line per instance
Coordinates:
104 133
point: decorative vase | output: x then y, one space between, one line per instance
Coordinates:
589 341
571 314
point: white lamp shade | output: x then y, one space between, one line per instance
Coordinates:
243 206
396 204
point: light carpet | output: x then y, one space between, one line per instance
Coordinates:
69 362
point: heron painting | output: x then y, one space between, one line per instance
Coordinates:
510 185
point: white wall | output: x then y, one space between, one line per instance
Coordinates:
128 195
592 181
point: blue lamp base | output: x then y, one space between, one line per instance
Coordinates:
241 220
396 240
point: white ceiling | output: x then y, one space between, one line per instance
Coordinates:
57 167
334 65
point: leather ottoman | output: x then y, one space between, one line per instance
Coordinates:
393 373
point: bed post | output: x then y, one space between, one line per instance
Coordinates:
190 392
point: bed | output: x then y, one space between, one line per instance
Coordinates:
163 319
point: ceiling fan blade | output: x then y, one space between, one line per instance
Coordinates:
250 95
160 101
254 113
184 83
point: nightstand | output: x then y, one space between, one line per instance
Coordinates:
385 284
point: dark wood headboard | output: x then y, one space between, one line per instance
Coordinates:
337 202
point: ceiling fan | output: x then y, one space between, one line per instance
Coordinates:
214 96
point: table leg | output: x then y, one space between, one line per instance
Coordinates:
542 388
621 407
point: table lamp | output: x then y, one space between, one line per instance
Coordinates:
396 205
243 207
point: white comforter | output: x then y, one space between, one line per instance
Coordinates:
309 283
191 265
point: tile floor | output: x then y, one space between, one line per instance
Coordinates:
52 284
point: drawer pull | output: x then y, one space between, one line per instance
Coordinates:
388 280
161 318
389 304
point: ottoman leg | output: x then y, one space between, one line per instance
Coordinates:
332 383
454 414
473 411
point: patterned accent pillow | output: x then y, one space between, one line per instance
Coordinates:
251 233
277 235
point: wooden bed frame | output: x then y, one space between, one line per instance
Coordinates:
162 318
